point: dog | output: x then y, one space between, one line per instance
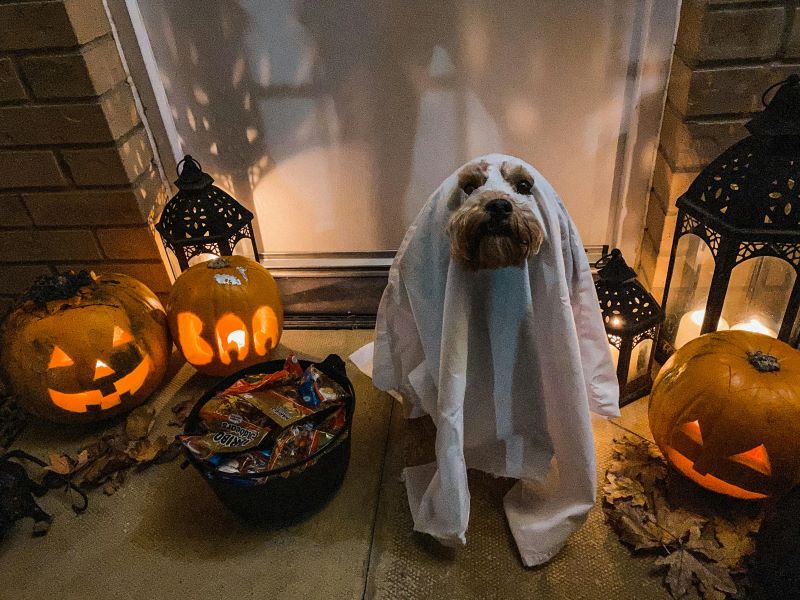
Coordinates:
490 332
492 225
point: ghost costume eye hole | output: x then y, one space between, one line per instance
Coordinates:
469 188
523 186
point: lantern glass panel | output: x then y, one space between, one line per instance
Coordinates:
758 294
688 292
244 248
201 258
640 359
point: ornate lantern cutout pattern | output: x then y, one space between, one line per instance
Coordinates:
225 314
201 220
632 318
725 411
77 366
735 258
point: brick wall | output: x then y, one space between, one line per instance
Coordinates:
727 53
77 178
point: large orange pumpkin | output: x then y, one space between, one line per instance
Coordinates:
225 314
725 411
90 348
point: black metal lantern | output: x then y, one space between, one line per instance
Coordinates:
735 259
632 318
201 218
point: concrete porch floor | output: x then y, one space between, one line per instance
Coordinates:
164 534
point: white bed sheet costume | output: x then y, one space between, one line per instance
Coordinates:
507 362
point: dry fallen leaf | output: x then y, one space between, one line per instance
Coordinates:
683 568
147 450
634 526
620 487
675 521
638 460
703 542
180 411
60 463
139 422
103 467
736 542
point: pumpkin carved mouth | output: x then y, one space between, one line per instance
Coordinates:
707 480
750 469
90 400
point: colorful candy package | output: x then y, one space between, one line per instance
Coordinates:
248 383
264 422
229 438
246 463
316 388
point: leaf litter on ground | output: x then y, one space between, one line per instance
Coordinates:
105 461
695 550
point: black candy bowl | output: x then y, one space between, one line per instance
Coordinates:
295 490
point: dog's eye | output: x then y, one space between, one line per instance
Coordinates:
469 188
523 186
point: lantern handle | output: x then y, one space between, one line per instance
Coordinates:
792 79
606 258
188 158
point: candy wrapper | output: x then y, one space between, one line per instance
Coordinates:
292 365
246 463
229 438
230 408
248 383
261 407
316 388
301 441
289 374
297 443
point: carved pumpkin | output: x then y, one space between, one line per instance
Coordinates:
90 348
725 411
225 314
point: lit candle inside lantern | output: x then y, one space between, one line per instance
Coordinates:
616 322
691 324
755 326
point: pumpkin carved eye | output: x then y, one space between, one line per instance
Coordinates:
121 337
755 458
59 358
692 430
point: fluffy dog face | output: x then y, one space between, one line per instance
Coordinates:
492 225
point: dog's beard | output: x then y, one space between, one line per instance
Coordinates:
484 244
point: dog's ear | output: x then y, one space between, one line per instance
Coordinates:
456 198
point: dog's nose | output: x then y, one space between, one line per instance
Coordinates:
499 208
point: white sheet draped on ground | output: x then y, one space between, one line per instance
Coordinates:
508 363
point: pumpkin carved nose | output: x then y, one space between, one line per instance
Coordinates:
101 369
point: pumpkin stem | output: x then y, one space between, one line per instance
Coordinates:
60 286
218 263
764 363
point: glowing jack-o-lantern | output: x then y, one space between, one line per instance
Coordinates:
96 349
225 314
725 411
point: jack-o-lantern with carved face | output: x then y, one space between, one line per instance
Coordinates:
225 314
84 348
725 411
